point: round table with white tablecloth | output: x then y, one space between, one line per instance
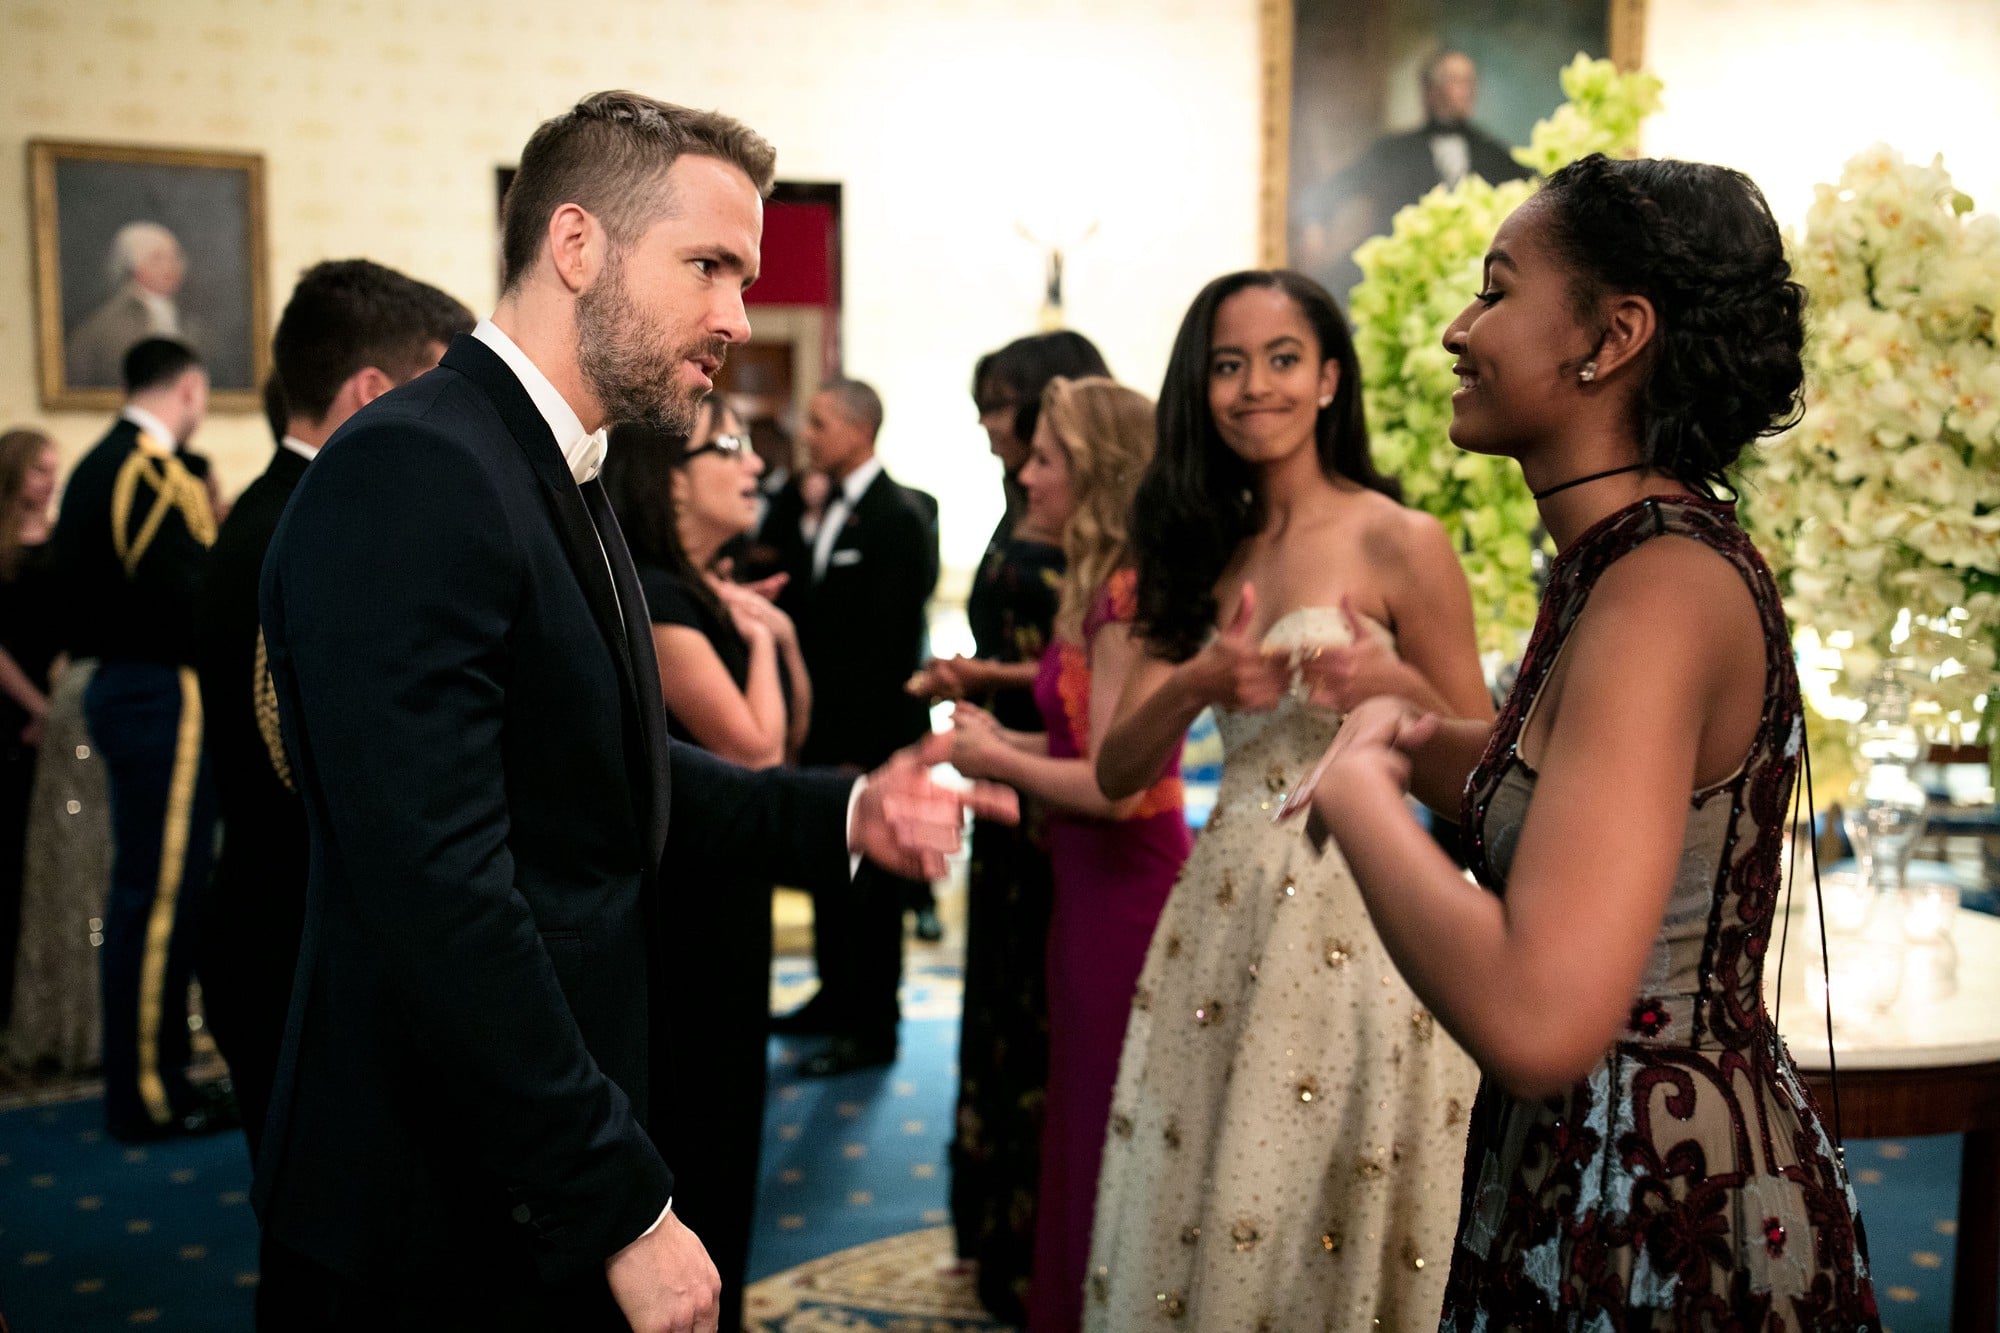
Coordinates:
1929 1064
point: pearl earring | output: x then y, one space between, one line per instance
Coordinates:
1588 373
1327 401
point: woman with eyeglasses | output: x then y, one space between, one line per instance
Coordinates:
733 683
731 675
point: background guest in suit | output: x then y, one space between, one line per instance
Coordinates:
858 586
351 331
131 547
1364 197
733 683
146 268
28 610
500 828
995 1150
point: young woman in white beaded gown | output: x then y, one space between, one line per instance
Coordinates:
1288 1125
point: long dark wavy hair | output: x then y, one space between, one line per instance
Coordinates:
1197 502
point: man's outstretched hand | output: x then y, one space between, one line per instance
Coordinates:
908 824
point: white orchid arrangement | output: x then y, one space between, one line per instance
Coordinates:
1880 510
1414 282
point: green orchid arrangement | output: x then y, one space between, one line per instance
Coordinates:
1880 510
1414 282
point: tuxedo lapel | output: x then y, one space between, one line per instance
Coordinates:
592 552
638 634
854 517
477 362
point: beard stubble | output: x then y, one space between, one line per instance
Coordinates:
632 361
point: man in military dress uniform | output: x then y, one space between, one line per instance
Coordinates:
131 545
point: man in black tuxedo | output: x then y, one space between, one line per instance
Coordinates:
1399 169
500 828
351 331
858 587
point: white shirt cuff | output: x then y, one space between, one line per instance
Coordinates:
854 799
656 1221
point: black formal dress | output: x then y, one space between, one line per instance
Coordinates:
1003 1044
131 544
28 633
862 633
719 968
502 843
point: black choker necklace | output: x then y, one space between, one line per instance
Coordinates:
1595 476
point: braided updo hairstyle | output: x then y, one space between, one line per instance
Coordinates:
1699 242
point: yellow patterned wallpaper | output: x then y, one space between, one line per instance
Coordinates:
950 123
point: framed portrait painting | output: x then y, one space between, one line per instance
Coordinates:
1369 104
134 242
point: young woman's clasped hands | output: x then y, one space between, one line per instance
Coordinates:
1237 672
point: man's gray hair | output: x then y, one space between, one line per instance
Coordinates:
859 403
134 241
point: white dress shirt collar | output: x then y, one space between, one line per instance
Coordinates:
299 447
858 481
161 312
150 428
838 508
583 451
1451 155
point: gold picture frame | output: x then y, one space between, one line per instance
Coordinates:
130 240
1625 26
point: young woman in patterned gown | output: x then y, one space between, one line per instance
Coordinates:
1643 1153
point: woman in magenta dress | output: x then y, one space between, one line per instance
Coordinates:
1114 861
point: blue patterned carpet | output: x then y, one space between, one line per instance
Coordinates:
95 1236
861 1157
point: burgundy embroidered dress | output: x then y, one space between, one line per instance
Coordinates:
1689 1182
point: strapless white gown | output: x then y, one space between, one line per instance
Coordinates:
1289 1123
